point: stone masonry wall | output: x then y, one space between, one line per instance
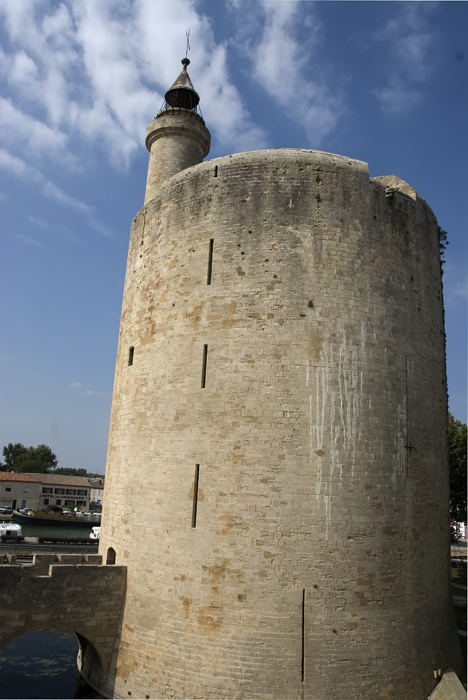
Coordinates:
277 444
70 593
176 140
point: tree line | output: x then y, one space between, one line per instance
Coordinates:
36 460
457 443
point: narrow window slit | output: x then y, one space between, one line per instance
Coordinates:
195 495
210 261
130 355
216 171
203 376
303 636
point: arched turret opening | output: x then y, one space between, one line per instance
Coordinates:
110 559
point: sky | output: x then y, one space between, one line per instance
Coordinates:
383 82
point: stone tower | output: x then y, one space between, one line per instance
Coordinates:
277 479
177 138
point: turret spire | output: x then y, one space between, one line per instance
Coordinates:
182 94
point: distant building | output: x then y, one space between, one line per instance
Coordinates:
58 490
38 491
19 490
97 490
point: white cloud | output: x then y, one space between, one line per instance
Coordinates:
111 56
22 70
397 97
280 38
12 164
33 242
98 71
409 47
223 108
87 390
40 223
35 137
17 167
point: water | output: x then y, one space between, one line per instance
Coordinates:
68 531
41 665
52 531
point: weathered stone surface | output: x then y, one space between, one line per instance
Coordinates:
176 140
449 688
318 566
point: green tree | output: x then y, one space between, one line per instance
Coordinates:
443 243
32 466
13 454
19 458
43 454
70 471
457 442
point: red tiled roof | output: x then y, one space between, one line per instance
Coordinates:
13 476
61 480
54 479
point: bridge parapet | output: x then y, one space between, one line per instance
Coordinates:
39 563
65 592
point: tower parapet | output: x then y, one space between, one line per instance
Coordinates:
177 138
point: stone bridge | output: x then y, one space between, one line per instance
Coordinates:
68 593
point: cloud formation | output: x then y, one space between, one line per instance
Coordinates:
281 38
87 390
408 68
87 77
19 168
99 70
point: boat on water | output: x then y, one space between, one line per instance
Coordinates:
57 519
95 533
11 532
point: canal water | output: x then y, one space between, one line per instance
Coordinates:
41 665
57 531
76 533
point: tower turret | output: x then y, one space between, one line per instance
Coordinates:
177 138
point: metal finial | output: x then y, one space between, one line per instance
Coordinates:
187 49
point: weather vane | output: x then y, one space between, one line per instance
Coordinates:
187 34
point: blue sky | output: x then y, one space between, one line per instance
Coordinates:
384 82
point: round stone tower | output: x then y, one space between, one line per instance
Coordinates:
277 479
177 137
